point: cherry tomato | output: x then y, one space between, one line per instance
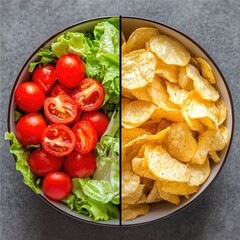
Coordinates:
29 129
90 95
77 165
60 109
57 185
58 140
29 97
44 77
86 137
41 163
59 89
98 119
77 118
70 70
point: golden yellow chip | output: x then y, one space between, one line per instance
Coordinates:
142 199
201 85
151 126
214 156
222 111
198 173
130 134
225 133
180 142
164 167
139 37
172 198
124 49
137 112
153 195
206 70
138 69
184 81
127 94
169 72
176 94
164 123
177 188
133 197
125 101
210 140
169 50
123 37
141 93
129 212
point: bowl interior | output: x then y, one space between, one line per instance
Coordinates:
163 209
23 76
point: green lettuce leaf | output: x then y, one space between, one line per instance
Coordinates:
22 155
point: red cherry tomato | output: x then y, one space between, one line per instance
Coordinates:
77 118
41 163
59 89
29 97
86 137
60 109
57 185
77 165
98 119
58 140
29 129
44 77
89 96
70 70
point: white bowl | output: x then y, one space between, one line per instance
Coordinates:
163 209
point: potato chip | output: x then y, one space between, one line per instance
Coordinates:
139 37
164 167
141 93
151 126
123 37
214 156
176 94
222 111
201 85
169 50
130 134
210 140
124 49
130 212
130 181
184 81
169 72
194 124
172 198
148 184
133 197
125 101
225 133
194 62
127 93
163 124
154 196
142 199
137 112
177 188
198 173
138 69
180 142
206 70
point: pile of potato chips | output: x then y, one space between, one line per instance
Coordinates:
172 120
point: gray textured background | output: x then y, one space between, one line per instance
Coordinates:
214 24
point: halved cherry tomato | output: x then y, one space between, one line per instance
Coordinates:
77 118
44 77
70 70
57 185
78 165
29 97
89 96
29 129
58 140
86 137
98 119
59 89
60 109
41 163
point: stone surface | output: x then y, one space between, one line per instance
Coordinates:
214 24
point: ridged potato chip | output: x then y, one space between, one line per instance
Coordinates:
201 85
129 212
206 70
139 37
137 112
138 69
169 50
166 168
180 142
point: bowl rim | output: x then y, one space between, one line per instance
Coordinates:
150 21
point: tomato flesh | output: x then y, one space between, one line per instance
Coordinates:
90 95
78 165
41 163
58 140
29 129
44 77
60 109
86 137
57 185
29 97
59 89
